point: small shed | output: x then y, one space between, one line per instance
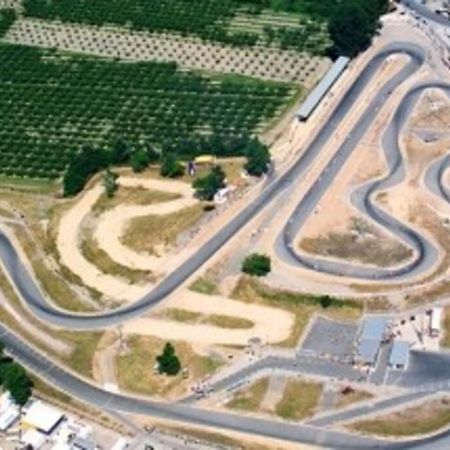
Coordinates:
399 356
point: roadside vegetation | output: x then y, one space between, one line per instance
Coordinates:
303 306
425 418
249 399
14 378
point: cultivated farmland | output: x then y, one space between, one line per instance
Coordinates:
231 22
53 103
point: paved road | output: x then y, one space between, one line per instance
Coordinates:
94 395
427 254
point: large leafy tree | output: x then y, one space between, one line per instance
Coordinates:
258 158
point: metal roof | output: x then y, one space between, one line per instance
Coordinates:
399 354
373 328
367 351
322 87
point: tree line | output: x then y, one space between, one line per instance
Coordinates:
89 161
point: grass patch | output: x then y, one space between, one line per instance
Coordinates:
132 196
353 396
217 320
369 249
135 368
203 286
85 345
145 234
415 420
250 399
97 256
300 400
303 306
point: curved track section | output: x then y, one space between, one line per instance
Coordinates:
434 178
426 254
48 312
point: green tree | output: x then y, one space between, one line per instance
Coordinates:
256 265
258 158
120 152
139 160
353 25
15 379
110 182
171 167
207 186
83 165
168 362
325 301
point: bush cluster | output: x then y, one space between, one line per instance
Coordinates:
256 265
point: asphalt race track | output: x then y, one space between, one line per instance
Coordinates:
425 257
427 254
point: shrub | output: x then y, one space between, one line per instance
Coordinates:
168 362
139 160
110 183
171 167
206 187
256 265
325 301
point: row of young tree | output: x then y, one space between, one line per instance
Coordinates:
89 161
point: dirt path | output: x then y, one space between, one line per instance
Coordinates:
69 250
113 224
270 324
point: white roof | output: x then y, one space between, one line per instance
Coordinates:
121 444
8 417
436 315
323 87
42 416
33 438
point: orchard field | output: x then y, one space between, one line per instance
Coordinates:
235 22
51 104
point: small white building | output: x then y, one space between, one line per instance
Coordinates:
435 322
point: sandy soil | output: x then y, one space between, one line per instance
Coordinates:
112 225
270 324
69 250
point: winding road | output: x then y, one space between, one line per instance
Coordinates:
425 256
